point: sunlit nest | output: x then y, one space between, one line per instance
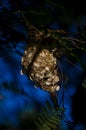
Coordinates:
42 68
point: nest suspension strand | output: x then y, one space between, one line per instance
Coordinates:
40 63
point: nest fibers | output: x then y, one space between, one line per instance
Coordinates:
41 67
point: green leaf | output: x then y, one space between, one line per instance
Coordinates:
48 116
84 83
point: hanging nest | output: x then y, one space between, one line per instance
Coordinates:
40 63
43 71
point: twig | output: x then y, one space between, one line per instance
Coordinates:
72 64
73 39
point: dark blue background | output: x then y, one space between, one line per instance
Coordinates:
27 98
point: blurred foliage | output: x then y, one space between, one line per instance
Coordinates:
38 16
84 83
49 118
12 88
26 122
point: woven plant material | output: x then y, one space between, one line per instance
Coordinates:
41 67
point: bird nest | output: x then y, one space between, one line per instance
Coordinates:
41 67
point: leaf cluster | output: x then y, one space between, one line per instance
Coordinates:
49 118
